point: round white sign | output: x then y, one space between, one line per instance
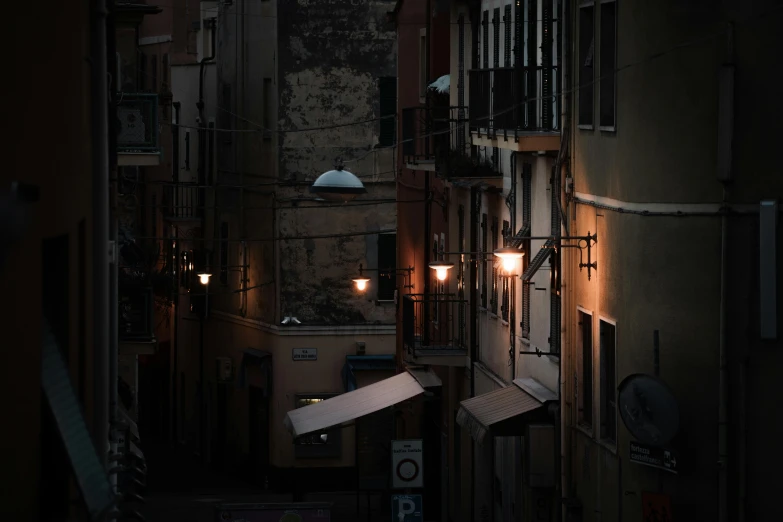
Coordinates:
407 470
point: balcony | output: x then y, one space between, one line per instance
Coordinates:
430 133
137 130
135 326
516 103
183 202
434 329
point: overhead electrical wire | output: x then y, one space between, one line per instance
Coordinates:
284 238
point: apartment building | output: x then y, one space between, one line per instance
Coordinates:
280 324
671 118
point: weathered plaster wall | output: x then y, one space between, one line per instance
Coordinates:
331 55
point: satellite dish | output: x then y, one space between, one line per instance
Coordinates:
649 409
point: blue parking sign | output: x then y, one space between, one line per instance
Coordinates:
407 508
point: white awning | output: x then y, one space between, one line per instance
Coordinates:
355 404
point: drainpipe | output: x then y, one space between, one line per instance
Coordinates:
202 160
428 202
100 228
175 363
725 126
474 211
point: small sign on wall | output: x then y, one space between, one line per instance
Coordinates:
305 354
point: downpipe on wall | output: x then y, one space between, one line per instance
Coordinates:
100 229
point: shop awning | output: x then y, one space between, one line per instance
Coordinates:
90 475
355 404
497 409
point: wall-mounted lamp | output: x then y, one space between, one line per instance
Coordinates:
203 278
338 184
441 269
509 257
361 281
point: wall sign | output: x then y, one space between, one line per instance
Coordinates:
305 354
653 457
407 464
406 508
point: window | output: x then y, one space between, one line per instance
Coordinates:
267 121
496 158
484 261
496 37
495 271
485 39
607 65
387 95
608 334
461 61
224 253
324 443
507 37
387 266
504 307
166 69
586 75
187 149
423 63
227 118
154 73
585 375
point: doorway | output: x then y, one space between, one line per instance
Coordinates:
258 435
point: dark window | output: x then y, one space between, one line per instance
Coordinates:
507 37
608 393
496 38
586 369
485 39
166 68
154 215
387 88
586 55
461 62
225 112
141 73
387 266
461 271
267 120
495 271
324 443
154 75
496 158
423 68
224 253
505 305
484 266
607 64
187 150
518 34
82 303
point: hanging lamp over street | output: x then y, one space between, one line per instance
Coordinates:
338 184
509 257
441 269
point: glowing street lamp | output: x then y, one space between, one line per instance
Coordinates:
203 278
509 257
361 283
441 269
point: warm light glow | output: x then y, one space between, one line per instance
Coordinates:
441 269
361 283
204 278
509 257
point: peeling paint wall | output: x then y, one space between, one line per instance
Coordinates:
331 56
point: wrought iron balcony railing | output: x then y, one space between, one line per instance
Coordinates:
430 133
434 324
183 201
509 101
137 123
136 311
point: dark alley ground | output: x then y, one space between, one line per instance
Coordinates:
179 489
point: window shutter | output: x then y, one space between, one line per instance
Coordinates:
496 37
485 38
507 37
388 109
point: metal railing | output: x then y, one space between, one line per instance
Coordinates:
443 331
136 312
510 100
183 200
430 133
137 123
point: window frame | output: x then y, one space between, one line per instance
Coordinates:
580 59
582 388
604 437
613 126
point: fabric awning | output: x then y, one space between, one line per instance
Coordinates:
352 405
479 414
90 475
539 259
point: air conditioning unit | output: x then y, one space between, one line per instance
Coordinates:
540 456
225 369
